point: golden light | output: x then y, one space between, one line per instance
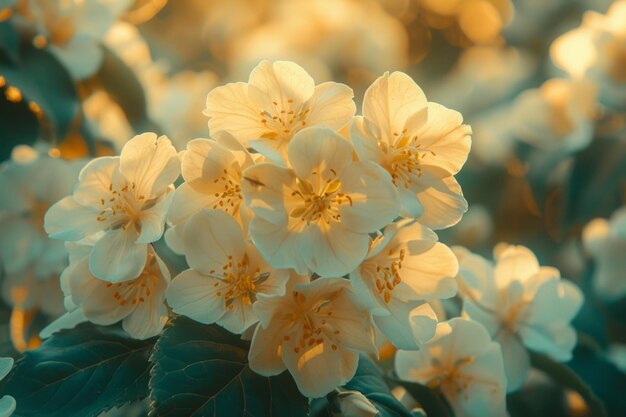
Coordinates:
144 10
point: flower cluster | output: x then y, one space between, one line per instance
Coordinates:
304 226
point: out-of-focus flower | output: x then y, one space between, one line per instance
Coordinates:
558 116
29 184
606 242
356 38
123 202
493 139
521 304
213 171
421 144
316 216
27 291
405 266
72 29
464 364
483 76
227 273
597 51
467 21
475 228
316 331
279 100
7 403
138 303
354 404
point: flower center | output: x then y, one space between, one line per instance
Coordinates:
123 208
139 289
322 205
230 198
238 281
283 121
403 158
388 276
451 380
314 324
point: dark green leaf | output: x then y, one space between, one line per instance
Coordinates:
42 79
9 40
18 125
80 372
202 370
567 378
369 380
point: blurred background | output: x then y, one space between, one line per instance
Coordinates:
541 82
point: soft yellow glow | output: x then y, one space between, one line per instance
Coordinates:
480 21
574 52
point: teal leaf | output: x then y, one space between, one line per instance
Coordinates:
202 370
80 372
18 125
42 79
369 380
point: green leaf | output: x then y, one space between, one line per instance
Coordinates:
202 370
429 399
18 125
369 380
80 372
42 79
567 378
122 84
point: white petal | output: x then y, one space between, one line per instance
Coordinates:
211 238
68 220
364 136
446 137
230 109
7 406
265 355
331 105
81 55
409 325
66 321
195 296
95 180
516 360
186 202
375 201
319 150
516 263
282 81
203 162
147 319
116 257
278 243
5 367
391 100
264 187
151 163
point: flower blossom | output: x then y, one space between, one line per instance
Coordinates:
138 303
226 276
316 331
316 216
122 201
422 145
279 100
405 267
72 29
521 304
462 362
213 171
606 242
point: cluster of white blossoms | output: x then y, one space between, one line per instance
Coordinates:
310 230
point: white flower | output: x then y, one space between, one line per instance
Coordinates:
29 183
72 29
606 242
317 215
227 273
464 363
422 145
123 200
316 331
405 267
213 171
7 403
522 305
597 51
138 303
27 291
558 116
279 100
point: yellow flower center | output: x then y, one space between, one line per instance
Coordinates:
388 274
314 323
123 208
403 158
451 379
230 198
139 289
319 205
239 281
283 121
